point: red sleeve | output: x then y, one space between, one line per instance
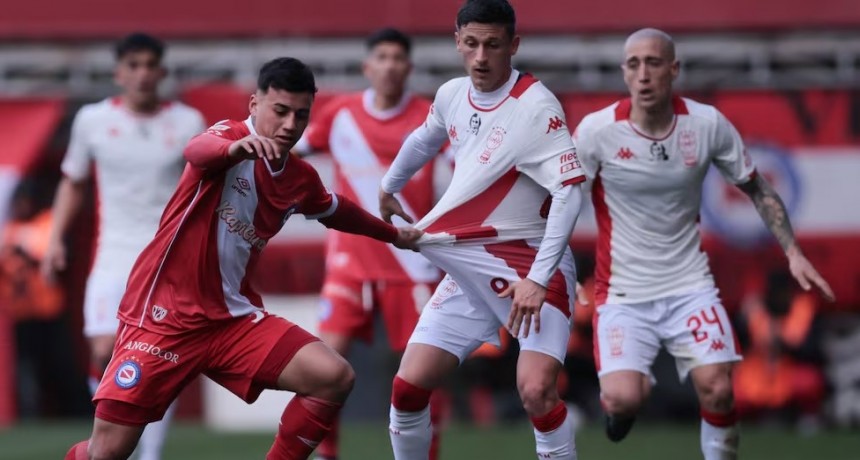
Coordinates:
350 218
209 149
319 130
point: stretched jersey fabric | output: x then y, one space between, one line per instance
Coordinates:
363 142
138 161
197 268
647 194
508 158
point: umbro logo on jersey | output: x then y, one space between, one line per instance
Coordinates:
242 186
624 153
555 123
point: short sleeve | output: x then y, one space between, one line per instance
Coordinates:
76 164
548 155
586 147
729 153
319 202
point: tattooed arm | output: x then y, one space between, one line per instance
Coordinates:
772 211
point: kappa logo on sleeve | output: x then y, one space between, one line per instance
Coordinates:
555 123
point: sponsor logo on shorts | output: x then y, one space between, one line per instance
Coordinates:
127 375
153 350
158 313
439 297
616 341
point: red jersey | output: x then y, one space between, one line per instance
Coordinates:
197 268
363 142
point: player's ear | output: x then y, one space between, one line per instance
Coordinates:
676 69
253 102
515 44
457 39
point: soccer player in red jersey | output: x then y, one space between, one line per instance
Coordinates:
189 307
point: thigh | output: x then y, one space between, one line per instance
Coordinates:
400 304
146 373
698 331
346 307
625 338
451 322
248 354
103 293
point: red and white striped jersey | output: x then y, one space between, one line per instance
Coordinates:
363 142
138 161
198 267
647 194
508 158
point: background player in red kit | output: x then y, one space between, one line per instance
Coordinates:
189 308
363 132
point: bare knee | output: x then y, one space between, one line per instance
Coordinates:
113 443
714 388
538 394
623 393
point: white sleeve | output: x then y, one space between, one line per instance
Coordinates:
76 163
586 148
730 154
548 156
566 203
418 149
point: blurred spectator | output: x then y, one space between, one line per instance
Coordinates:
44 357
781 372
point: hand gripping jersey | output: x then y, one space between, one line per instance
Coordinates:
507 158
363 142
647 193
138 161
197 268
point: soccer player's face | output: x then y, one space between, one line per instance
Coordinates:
281 115
387 67
487 50
138 73
649 70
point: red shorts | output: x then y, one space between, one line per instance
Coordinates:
148 370
348 305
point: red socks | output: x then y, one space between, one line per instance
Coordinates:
305 423
78 451
551 420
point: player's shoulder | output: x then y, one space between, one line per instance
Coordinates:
181 110
301 169
341 101
451 88
701 112
97 110
603 118
229 129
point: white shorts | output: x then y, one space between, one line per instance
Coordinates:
105 289
694 328
465 311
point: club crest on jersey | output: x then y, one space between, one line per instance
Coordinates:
687 144
127 375
475 123
494 141
158 313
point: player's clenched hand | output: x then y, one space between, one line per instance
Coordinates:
54 261
390 206
528 298
252 147
806 275
407 238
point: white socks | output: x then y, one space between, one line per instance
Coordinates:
410 434
557 443
720 443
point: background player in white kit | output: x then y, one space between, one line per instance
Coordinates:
492 233
135 142
648 156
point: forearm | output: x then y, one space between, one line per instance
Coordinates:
566 203
68 202
350 218
772 211
207 151
417 150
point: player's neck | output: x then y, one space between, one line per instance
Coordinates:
141 107
655 122
383 102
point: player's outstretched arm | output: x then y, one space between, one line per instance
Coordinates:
772 211
350 218
208 151
67 203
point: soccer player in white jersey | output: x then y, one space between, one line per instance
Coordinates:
131 145
500 230
648 156
363 132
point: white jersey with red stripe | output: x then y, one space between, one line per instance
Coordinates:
198 267
507 159
647 195
363 142
138 161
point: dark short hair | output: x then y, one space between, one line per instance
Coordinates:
488 12
390 35
286 74
139 42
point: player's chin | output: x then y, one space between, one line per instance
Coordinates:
285 143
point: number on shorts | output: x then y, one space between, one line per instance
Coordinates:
694 323
498 285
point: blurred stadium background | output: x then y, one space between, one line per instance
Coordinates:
786 73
